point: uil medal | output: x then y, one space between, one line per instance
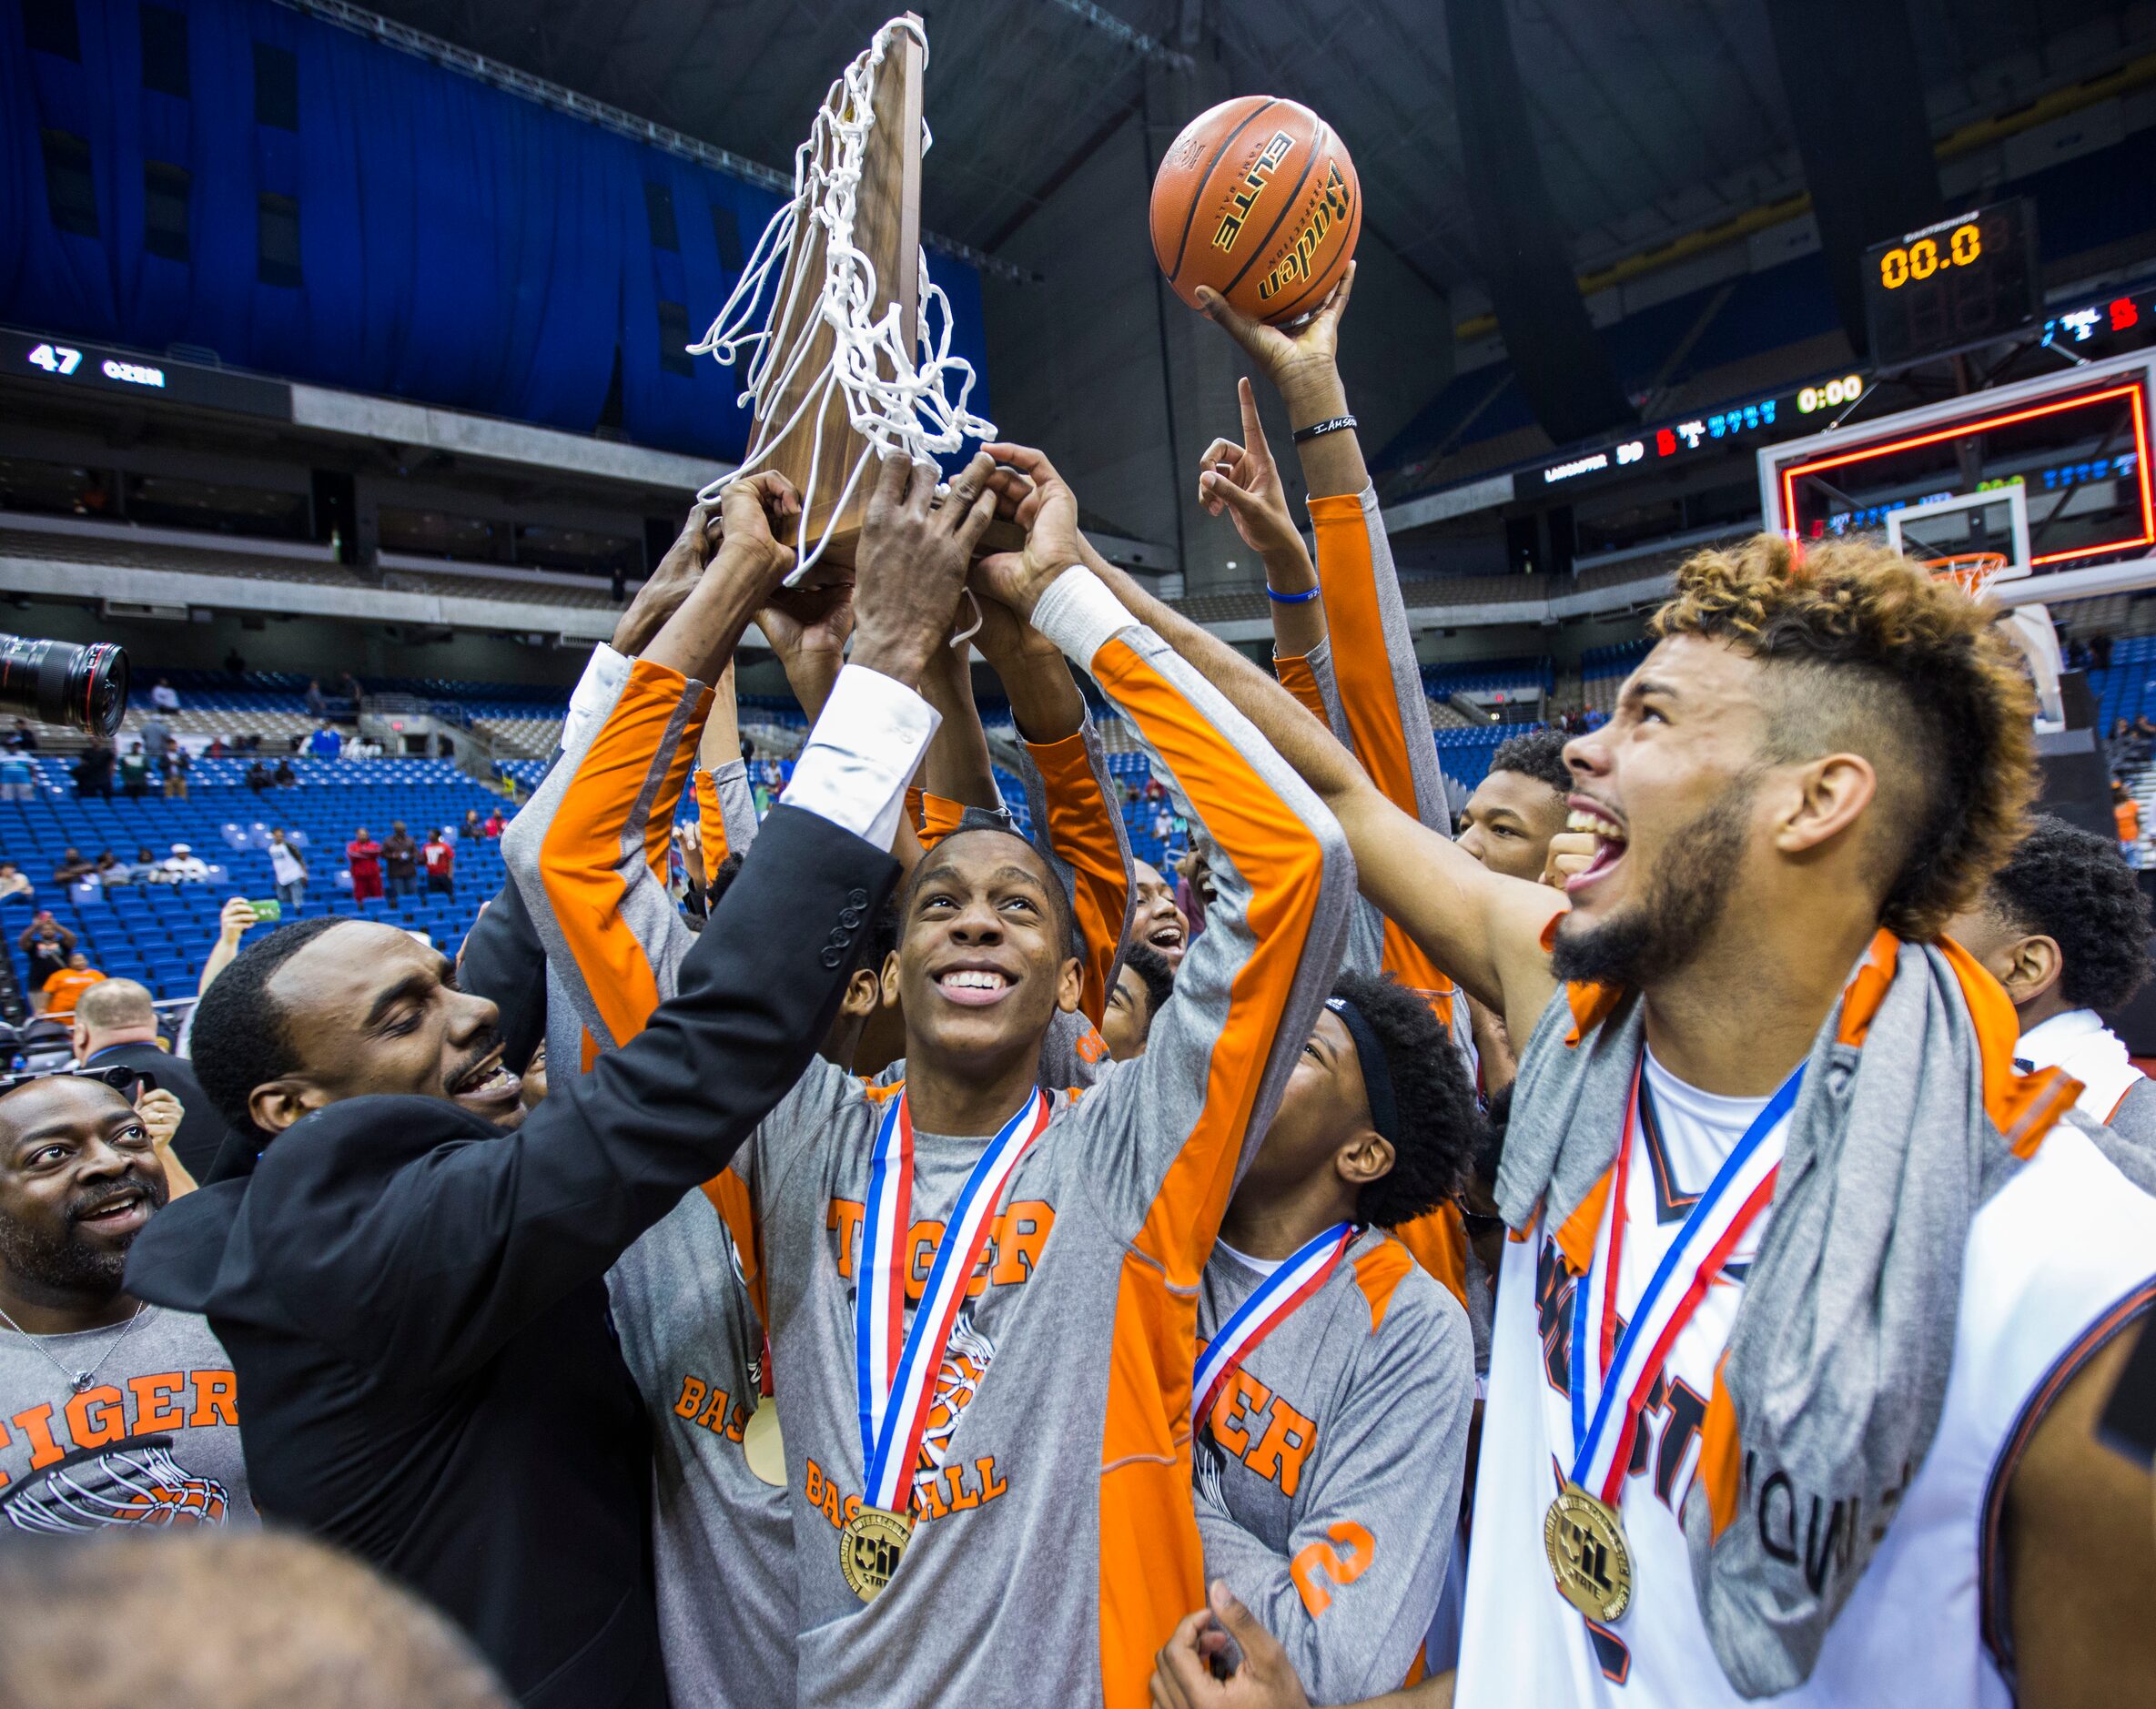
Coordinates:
1584 1540
761 1445
870 1545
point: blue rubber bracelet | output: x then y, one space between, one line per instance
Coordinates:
1304 598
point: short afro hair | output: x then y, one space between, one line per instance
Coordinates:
1154 973
1059 903
2074 887
1440 1126
240 1039
1539 754
1883 660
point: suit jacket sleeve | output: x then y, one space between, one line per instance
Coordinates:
430 1259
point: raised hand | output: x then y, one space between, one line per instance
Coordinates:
1297 360
233 920
1244 481
671 582
1028 490
751 512
912 561
808 627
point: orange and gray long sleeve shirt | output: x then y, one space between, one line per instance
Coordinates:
1056 1544
1364 683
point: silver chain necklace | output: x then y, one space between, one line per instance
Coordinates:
78 1380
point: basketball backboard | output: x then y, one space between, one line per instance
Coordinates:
2052 473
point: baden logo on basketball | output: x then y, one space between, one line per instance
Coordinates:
1333 203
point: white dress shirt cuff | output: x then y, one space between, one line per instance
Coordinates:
594 694
1079 614
862 755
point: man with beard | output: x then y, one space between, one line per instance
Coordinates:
118 1413
414 1297
1795 1365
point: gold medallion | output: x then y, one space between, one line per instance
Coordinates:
1584 1540
869 1547
761 1445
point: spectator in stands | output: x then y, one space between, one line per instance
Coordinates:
251 743
366 857
2126 813
183 865
234 664
18 777
288 869
63 987
283 777
348 685
2099 650
144 867
217 749
258 777
164 696
471 831
316 707
14 882
400 860
22 738
71 868
325 744
115 1027
495 823
135 771
440 858
157 736
93 772
1510 819
45 945
110 869
178 762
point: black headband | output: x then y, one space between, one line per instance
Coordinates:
1377 1076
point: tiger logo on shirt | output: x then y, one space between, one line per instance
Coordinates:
135 1481
957 1380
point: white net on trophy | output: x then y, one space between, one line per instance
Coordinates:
847 340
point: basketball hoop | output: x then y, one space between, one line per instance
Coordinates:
1972 571
834 336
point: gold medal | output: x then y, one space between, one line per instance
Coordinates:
1584 1540
761 1445
870 1545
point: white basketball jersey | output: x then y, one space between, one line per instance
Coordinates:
2057 1261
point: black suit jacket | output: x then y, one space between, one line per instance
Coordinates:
415 1301
201 1130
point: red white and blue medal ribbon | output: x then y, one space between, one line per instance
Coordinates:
1611 1376
895 1368
1295 1280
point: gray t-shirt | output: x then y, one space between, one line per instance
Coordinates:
1329 1471
153 1441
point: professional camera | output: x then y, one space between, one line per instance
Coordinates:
58 682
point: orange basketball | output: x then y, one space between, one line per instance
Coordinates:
1258 200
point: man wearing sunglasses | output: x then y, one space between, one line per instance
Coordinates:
112 1411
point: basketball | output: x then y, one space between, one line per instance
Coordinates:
1258 200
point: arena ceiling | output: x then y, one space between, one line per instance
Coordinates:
1656 117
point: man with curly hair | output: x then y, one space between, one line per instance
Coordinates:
1337 1377
1752 1435
2064 926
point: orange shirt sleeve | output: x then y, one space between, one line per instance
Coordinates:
1082 835
1297 677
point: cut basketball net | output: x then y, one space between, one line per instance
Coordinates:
1971 571
894 382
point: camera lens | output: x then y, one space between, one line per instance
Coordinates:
58 682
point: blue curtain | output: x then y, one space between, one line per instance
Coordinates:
458 244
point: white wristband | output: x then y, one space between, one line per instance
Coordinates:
1079 614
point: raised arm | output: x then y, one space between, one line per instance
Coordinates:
1483 929
1179 1124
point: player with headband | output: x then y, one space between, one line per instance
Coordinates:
1817 1292
980 1289
1335 1379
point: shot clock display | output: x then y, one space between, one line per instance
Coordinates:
1960 283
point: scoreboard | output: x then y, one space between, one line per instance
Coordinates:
1962 282
96 368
